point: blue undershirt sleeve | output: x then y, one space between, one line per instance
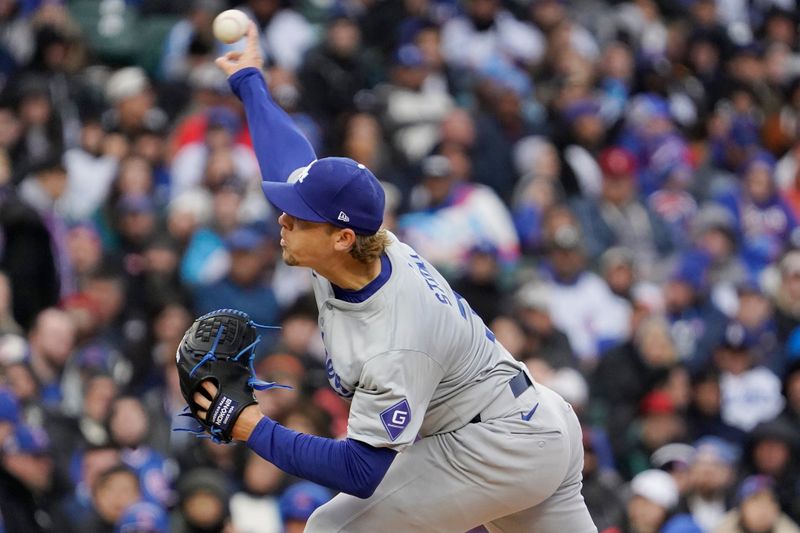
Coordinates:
279 146
348 466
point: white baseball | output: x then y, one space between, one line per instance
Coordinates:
230 26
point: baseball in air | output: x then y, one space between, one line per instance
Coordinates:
230 26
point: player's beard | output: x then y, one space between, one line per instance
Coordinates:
289 259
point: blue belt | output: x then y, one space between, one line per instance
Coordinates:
518 385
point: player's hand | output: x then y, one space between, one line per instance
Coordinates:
233 62
202 401
250 416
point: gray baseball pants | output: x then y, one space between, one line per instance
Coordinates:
506 472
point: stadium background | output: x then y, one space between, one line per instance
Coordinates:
612 185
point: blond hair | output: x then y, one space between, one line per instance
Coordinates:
368 248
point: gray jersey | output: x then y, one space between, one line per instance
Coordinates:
413 358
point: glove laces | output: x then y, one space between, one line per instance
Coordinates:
215 433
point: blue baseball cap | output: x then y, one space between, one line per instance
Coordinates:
143 517
753 485
300 500
409 55
336 190
717 450
692 269
244 239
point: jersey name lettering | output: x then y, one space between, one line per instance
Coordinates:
429 280
334 379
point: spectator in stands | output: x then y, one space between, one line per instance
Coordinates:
714 235
255 507
486 33
619 218
87 427
27 256
187 213
451 217
704 414
757 509
772 450
412 109
52 340
675 459
658 423
750 392
363 140
764 221
600 491
713 477
133 103
206 259
333 73
144 517
29 491
479 283
696 324
618 268
40 135
626 374
653 496
86 466
42 190
194 163
188 36
203 502
128 429
245 287
285 34
542 339
580 297
91 168
113 491
298 502
538 189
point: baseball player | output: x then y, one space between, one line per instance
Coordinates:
446 430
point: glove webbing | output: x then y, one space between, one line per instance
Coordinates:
215 433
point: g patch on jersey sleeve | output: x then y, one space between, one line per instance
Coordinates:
396 418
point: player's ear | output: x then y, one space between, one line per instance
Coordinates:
344 239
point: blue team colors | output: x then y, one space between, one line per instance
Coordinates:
346 194
395 419
348 465
334 189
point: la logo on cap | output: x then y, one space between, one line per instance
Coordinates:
343 217
300 174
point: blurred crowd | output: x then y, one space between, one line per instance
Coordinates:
614 187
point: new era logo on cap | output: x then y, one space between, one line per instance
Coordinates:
336 190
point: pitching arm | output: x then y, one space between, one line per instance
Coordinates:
348 466
280 147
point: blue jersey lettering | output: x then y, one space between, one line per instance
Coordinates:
438 292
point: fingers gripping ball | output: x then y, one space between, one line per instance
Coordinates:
220 347
230 26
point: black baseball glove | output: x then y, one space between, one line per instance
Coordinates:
220 347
